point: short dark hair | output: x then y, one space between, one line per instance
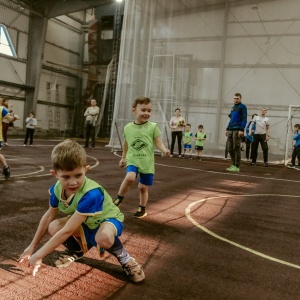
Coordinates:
297 125
188 125
177 109
238 95
141 100
200 126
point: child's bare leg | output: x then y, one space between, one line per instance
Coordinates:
143 191
144 194
125 185
57 225
2 161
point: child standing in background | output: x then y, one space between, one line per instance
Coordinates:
200 137
30 126
187 141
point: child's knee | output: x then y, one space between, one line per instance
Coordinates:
53 227
143 188
130 178
105 239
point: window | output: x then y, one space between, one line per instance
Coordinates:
6 46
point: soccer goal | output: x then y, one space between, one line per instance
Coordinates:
293 119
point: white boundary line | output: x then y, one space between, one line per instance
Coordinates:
230 174
188 215
25 176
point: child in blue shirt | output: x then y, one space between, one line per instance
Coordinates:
91 219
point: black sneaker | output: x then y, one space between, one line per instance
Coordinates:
6 172
297 168
266 164
252 164
140 213
118 201
134 271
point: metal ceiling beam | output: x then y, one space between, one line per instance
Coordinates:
54 8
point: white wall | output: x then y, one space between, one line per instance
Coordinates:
254 52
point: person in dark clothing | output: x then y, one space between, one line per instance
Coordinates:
234 132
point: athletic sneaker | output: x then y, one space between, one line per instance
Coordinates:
297 168
134 271
6 172
233 169
291 166
140 213
67 257
266 164
252 164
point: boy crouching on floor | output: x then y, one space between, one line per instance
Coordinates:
92 218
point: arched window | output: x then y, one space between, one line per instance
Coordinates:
6 46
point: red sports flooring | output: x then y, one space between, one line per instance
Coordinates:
209 234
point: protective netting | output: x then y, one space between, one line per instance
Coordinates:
181 54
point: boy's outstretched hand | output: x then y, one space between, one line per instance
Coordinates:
33 261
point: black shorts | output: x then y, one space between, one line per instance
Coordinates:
199 147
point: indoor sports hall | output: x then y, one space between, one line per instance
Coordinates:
209 233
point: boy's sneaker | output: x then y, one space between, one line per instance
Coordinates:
6 172
297 168
252 164
140 213
134 271
67 257
266 164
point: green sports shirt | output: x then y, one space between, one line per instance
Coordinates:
91 200
200 135
140 140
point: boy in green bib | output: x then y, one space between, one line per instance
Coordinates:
91 217
138 153
200 137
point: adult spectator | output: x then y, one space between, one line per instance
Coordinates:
177 124
5 122
261 135
91 115
234 132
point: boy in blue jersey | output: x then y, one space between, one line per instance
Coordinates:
138 153
92 218
296 150
234 132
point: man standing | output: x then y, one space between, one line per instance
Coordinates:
234 132
261 135
91 115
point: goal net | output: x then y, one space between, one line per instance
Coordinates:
293 119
